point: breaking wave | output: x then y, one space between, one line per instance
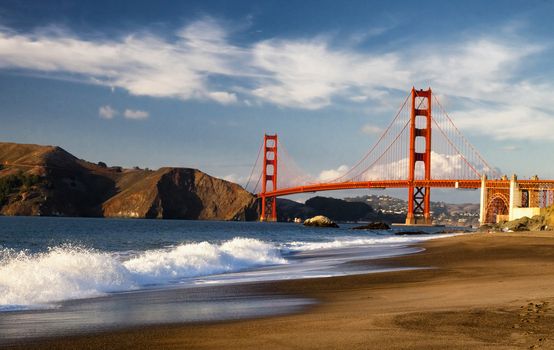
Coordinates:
37 280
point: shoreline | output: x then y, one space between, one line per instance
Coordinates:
232 296
476 294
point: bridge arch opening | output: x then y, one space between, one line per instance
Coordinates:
421 121
420 144
419 171
421 102
498 205
270 143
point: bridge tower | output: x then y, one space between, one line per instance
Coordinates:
420 129
269 204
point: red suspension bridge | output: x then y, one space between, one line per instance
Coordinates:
420 149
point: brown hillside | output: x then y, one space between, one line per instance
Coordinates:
181 193
47 180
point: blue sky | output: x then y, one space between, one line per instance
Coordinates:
197 83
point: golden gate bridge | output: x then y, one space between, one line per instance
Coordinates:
420 149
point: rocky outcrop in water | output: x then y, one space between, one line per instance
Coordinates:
373 226
320 221
47 180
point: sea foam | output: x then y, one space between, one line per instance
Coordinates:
355 241
68 272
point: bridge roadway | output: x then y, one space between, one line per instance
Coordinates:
459 184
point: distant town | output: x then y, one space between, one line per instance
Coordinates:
466 214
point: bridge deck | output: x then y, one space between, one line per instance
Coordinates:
461 184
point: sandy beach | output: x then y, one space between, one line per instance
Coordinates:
472 291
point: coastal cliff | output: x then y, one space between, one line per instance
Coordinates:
178 193
49 181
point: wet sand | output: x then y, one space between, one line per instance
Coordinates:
483 291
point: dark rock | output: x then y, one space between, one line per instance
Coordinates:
549 218
407 233
536 223
543 222
373 226
454 231
517 225
487 228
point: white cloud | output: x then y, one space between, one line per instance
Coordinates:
135 114
358 98
495 101
143 64
303 74
482 68
332 174
397 170
310 74
307 73
444 166
107 112
223 97
370 129
515 122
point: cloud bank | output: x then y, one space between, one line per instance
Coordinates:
201 62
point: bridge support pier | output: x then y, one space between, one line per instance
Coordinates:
419 198
268 209
269 175
515 197
483 201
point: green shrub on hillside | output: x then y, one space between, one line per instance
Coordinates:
15 183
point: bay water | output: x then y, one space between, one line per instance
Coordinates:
73 275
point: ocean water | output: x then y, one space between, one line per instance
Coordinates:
67 275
